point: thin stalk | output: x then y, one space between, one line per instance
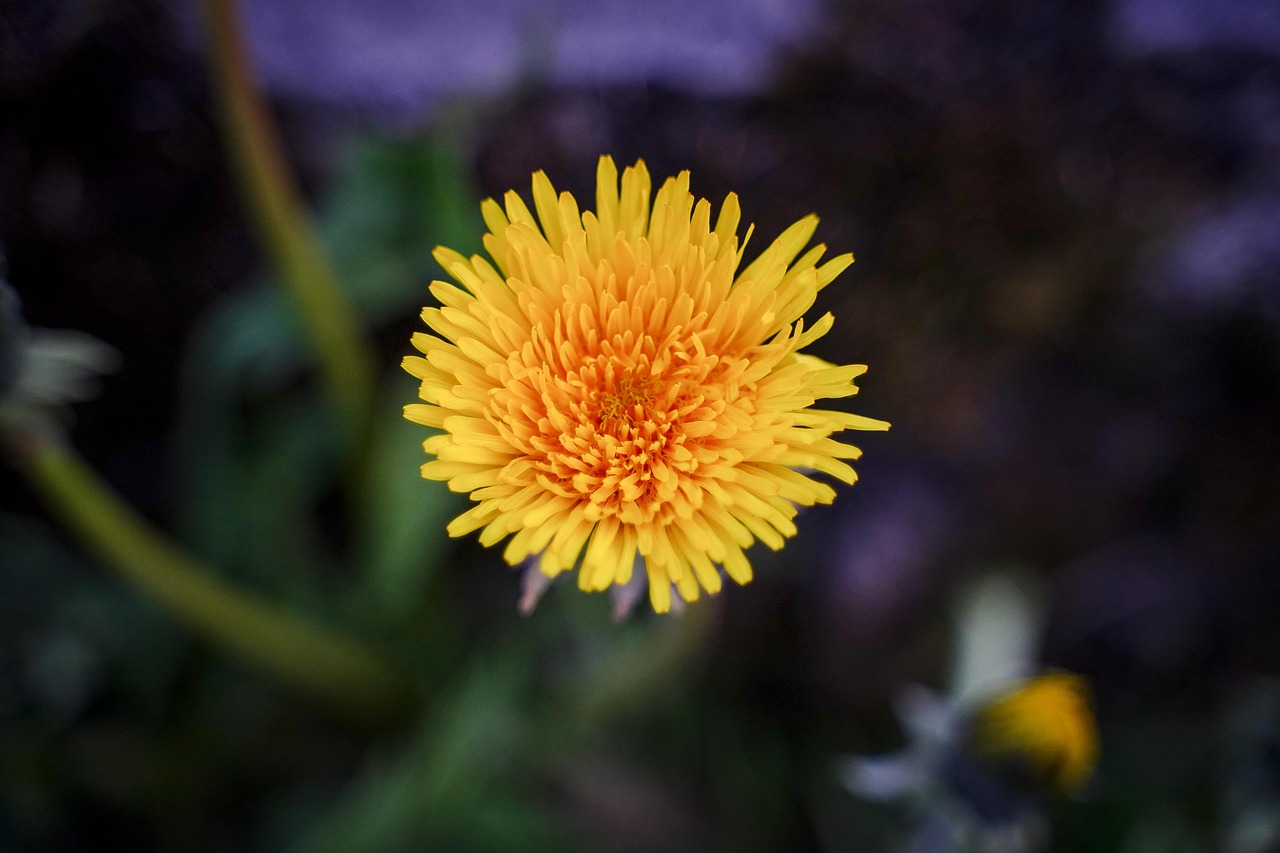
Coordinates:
283 224
344 673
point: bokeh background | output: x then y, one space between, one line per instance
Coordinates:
1066 216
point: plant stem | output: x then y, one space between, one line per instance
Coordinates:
283 225
342 672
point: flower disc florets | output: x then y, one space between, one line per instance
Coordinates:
615 387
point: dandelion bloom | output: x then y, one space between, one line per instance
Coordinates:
1047 724
614 387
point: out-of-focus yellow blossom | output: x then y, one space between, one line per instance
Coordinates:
1045 723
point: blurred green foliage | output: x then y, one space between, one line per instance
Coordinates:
717 731
259 451
263 496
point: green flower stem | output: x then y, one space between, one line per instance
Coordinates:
343 673
283 224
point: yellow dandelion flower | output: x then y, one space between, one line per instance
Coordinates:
1047 724
614 386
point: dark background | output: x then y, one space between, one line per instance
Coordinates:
1067 223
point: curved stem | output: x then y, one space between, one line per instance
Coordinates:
282 222
342 672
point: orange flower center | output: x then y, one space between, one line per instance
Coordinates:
621 423
624 402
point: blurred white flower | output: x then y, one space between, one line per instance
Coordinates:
976 756
42 371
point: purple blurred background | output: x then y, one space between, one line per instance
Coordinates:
1067 222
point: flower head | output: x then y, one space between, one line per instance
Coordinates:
42 371
616 385
1008 733
1046 725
